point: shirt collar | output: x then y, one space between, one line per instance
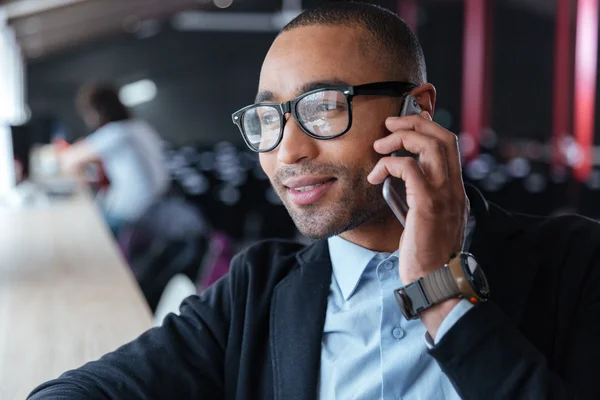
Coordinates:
348 261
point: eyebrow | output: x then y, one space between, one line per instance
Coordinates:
269 96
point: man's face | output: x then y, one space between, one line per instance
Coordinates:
346 199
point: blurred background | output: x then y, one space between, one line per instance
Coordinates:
516 79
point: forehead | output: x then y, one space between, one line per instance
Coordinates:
318 54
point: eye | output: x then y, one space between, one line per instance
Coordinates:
270 119
328 107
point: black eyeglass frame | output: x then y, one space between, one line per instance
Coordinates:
390 88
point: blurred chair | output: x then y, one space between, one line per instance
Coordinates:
171 238
216 264
178 288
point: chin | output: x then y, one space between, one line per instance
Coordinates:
318 234
317 225
329 223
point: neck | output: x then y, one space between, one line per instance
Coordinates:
381 234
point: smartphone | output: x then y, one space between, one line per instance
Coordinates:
394 189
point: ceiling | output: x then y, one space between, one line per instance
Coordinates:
45 27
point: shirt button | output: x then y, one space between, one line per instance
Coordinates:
388 265
398 333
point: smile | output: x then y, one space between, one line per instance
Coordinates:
310 194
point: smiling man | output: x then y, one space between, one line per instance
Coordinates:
373 309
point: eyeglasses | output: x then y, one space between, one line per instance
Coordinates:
323 114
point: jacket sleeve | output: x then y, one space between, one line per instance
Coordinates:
182 359
486 357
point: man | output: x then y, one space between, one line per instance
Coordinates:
130 151
322 321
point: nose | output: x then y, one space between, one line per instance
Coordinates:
296 146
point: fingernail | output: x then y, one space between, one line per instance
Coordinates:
426 115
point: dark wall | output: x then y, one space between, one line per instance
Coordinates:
201 78
522 73
440 33
522 62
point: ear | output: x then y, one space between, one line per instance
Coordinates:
425 95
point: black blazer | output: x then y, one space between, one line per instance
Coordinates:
256 334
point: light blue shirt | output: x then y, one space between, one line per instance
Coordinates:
369 350
131 152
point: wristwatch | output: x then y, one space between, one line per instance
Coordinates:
461 277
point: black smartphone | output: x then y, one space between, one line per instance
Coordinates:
394 189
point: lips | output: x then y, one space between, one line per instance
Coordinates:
306 180
306 190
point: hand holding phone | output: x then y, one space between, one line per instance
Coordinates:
394 189
435 224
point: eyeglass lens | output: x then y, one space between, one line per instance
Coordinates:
324 114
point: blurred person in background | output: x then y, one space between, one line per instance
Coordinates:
372 309
129 150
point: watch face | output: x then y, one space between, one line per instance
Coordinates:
475 276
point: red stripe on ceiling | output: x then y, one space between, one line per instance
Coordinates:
561 123
476 79
586 66
408 10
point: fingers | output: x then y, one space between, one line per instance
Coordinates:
424 125
431 151
405 168
438 186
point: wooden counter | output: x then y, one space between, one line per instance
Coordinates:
66 295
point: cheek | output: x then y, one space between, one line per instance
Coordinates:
368 125
267 163
355 148
354 155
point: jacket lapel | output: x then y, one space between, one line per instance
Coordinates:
297 319
501 247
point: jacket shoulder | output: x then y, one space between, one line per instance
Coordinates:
266 262
271 247
562 227
567 242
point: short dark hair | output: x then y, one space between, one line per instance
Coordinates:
103 99
392 40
